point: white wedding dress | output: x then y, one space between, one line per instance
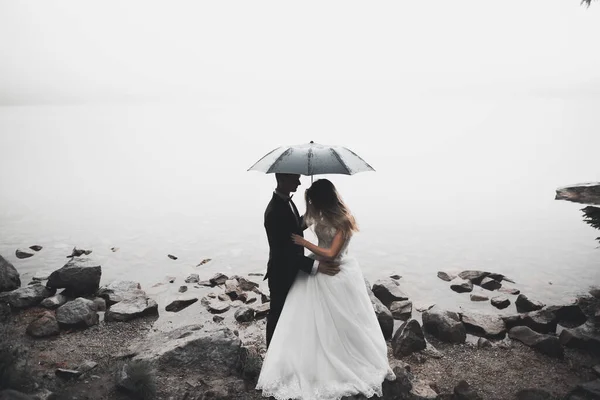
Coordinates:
328 343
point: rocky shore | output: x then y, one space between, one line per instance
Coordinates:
70 335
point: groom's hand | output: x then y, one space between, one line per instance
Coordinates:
328 268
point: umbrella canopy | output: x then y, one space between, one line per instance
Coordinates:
311 159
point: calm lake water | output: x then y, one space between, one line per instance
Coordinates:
472 188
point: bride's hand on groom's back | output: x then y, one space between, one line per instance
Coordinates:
328 268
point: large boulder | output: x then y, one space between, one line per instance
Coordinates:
80 277
79 312
28 296
460 285
132 308
218 279
401 310
118 291
384 315
9 277
388 291
488 325
408 339
546 344
541 321
569 315
400 387
211 350
525 305
585 337
444 325
44 326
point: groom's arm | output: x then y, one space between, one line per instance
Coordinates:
279 238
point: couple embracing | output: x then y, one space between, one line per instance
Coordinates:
323 338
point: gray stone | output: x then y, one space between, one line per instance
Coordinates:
384 315
210 350
585 337
80 277
87 366
244 314
595 292
463 391
401 310
474 276
431 351
23 253
36 247
534 394
118 291
77 252
172 257
460 285
28 296
261 311
388 291
542 321
512 320
131 308
100 304
545 344
41 276
525 305
231 288
483 343
218 279
490 284
445 276
396 277
9 277
478 297
54 302
512 291
67 373
211 295
79 312
488 325
570 314
44 326
444 325
500 302
183 289
223 297
193 278
247 285
422 391
179 305
408 339
218 318
218 307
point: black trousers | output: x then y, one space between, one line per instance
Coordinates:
277 301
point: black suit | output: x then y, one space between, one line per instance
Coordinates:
285 257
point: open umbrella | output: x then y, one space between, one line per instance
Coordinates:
311 159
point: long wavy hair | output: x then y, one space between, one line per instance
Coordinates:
324 202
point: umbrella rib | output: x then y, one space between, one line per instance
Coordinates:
309 166
278 160
265 156
336 155
357 156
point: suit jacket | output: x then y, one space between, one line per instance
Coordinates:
285 257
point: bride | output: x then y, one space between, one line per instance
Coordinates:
328 343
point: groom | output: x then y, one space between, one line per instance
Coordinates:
286 258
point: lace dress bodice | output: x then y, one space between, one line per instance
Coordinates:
325 234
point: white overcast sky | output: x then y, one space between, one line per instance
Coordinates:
69 52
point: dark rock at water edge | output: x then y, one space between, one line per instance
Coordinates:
244 314
384 315
408 339
218 307
445 276
9 277
401 310
388 291
193 278
22 253
183 289
525 305
118 291
80 277
541 321
478 297
460 285
585 337
218 318
218 279
490 284
464 391
570 315
247 285
171 256
488 325
474 276
179 305
546 344
27 296
500 302
79 312
444 325
36 247
396 277
44 326
77 252
511 291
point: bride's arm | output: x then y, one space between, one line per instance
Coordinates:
330 253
